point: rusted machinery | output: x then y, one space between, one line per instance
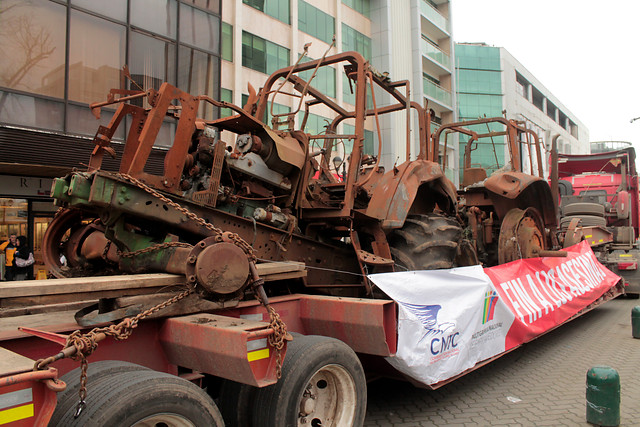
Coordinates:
509 214
215 202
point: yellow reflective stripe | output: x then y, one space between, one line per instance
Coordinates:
258 354
15 414
625 255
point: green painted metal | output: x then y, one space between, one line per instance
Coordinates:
603 396
635 321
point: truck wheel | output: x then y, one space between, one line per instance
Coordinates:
585 221
234 403
145 398
322 384
584 208
426 242
95 372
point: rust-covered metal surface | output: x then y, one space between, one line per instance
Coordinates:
274 190
509 210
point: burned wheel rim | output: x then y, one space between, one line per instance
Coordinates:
521 235
164 420
329 398
58 241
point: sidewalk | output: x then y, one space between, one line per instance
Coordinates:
541 384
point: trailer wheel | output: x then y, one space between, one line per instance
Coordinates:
584 208
426 242
95 372
322 384
145 398
234 403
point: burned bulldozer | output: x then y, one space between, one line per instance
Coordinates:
509 213
266 195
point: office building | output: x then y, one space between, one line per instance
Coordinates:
491 82
57 57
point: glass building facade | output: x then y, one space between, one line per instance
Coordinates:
480 94
59 56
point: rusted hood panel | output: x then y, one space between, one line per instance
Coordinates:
522 191
394 193
509 184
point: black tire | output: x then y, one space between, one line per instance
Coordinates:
583 208
585 220
127 398
426 242
324 367
235 403
95 372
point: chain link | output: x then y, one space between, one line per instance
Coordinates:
153 248
279 335
86 344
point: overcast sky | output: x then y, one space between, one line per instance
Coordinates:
586 52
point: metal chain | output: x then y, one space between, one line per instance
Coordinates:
153 248
235 238
279 335
86 344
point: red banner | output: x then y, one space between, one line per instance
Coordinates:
544 292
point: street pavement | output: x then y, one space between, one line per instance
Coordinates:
539 384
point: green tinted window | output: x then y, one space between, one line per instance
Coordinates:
278 9
324 80
315 22
262 55
355 40
361 6
480 81
227 42
369 140
315 124
477 57
277 109
227 96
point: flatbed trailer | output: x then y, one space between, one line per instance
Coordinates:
179 366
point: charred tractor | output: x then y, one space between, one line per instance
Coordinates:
509 212
272 193
598 196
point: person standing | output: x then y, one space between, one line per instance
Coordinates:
9 247
23 252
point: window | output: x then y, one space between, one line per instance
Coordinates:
278 9
315 22
522 86
262 55
96 56
227 42
538 99
226 95
116 9
163 19
315 125
350 97
33 37
324 80
199 29
361 6
354 40
198 74
277 109
152 61
369 140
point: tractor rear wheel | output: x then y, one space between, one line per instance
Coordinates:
426 242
